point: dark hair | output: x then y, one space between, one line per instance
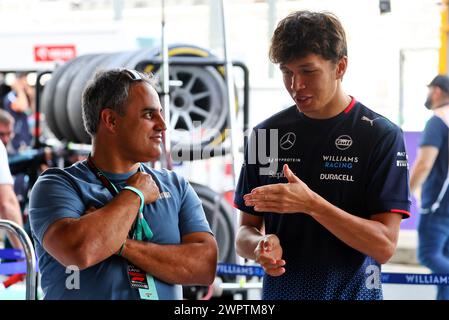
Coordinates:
442 82
108 89
304 32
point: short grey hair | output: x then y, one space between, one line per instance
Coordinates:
108 89
6 118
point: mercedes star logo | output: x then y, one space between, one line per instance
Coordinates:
287 141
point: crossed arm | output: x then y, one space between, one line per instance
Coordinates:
94 236
100 233
193 262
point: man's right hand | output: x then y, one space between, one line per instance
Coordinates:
269 254
145 183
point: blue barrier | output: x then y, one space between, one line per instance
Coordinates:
241 270
9 268
235 269
415 278
391 278
12 254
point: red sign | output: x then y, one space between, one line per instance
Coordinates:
45 53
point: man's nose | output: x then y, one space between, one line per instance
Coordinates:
160 124
297 82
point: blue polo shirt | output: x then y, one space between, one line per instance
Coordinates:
70 192
356 161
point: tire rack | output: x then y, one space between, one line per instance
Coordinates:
204 62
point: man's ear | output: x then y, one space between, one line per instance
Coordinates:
341 67
108 118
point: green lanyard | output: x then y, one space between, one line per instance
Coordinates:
142 224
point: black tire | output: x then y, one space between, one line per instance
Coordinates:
219 214
49 97
198 105
74 109
139 56
197 110
63 99
121 59
209 113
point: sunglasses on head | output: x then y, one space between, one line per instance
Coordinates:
133 74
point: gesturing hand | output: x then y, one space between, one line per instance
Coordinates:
269 254
294 196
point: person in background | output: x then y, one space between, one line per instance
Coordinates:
6 128
429 181
21 164
19 102
9 206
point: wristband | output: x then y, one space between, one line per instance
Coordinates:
142 224
139 193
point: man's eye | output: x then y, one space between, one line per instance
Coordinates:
308 71
149 115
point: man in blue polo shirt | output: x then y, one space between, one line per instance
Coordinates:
430 174
111 227
324 185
